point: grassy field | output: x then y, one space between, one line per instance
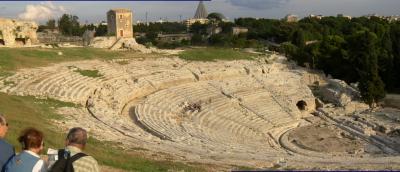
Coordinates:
15 58
28 111
212 54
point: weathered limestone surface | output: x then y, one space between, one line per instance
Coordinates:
17 33
225 112
339 93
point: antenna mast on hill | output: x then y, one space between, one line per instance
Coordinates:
147 22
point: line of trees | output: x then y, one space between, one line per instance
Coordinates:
363 50
69 25
358 50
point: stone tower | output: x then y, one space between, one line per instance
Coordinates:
119 23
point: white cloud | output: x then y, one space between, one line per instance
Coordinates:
42 11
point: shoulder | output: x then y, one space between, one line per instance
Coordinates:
87 160
86 164
3 143
6 147
90 159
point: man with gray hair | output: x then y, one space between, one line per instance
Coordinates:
75 144
6 150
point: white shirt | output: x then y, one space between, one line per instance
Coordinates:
39 165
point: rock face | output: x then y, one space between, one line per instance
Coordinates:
338 92
114 43
15 33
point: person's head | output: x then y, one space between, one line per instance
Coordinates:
31 139
3 126
77 137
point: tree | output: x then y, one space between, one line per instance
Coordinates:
198 28
395 38
51 24
385 60
69 25
101 30
298 38
364 50
289 49
197 39
218 17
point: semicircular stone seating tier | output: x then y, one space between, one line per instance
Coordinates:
230 112
62 84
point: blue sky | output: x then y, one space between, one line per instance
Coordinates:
96 11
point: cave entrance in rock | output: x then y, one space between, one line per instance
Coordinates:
20 41
301 105
2 42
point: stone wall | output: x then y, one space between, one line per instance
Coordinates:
17 33
392 100
57 38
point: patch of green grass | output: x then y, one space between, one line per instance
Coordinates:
8 83
89 73
27 111
123 62
16 58
212 54
49 102
5 73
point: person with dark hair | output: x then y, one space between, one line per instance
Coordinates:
72 158
6 150
28 160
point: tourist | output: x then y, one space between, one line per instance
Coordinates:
28 160
75 144
6 150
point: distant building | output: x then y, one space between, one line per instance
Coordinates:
200 16
173 37
344 16
291 18
140 35
212 30
319 17
160 21
239 30
119 23
387 18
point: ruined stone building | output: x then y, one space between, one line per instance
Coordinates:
119 23
17 33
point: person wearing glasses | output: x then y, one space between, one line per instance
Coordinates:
28 160
6 150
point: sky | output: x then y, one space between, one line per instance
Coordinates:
95 11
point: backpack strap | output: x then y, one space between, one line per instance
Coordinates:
61 153
69 166
77 156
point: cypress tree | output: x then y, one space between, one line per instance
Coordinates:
364 49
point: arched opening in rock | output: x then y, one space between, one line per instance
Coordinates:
20 41
301 105
2 42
